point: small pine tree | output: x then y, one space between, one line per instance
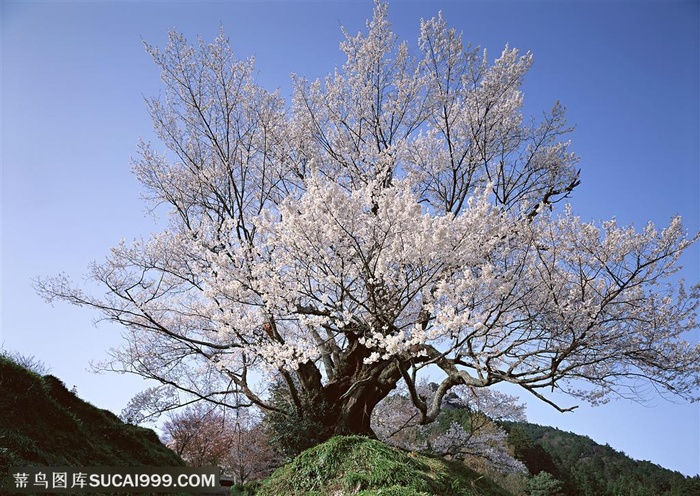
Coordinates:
544 484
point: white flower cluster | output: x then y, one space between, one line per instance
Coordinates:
386 345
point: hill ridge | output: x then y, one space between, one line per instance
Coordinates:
588 468
42 423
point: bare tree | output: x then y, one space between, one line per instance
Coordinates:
234 441
251 457
199 435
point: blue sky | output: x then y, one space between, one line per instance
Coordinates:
74 75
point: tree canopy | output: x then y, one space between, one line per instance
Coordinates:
399 217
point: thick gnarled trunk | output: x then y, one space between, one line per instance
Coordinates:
354 402
346 403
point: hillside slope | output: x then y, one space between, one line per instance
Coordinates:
587 468
42 423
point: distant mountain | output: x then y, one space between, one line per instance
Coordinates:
586 468
44 424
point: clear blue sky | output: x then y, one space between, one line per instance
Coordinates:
73 79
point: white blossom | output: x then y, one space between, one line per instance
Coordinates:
398 215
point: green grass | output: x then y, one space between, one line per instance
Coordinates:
365 467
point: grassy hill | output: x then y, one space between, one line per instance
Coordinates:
365 467
42 423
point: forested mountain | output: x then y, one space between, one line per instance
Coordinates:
586 468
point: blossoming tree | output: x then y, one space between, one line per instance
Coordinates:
395 218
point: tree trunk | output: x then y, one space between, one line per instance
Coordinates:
353 399
355 412
341 406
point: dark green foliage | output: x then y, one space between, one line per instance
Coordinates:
544 484
362 466
292 432
586 468
533 455
43 423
